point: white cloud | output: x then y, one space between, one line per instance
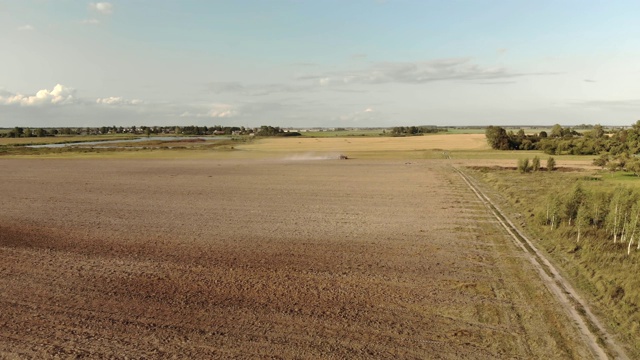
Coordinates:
609 104
91 21
62 106
217 111
221 113
117 100
59 95
256 89
104 8
26 28
358 117
461 69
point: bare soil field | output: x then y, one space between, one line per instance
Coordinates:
263 259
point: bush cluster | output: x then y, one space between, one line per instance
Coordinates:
524 166
562 141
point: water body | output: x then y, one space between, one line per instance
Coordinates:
155 138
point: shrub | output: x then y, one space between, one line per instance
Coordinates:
535 164
551 164
523 165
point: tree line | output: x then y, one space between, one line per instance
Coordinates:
415 130
266 130
617 150
19 132
501 139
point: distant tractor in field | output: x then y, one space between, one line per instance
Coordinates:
343 157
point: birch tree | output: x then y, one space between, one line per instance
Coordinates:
634 225
573 203
553 210
621 202
599 203
583 218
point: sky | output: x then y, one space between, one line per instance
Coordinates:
319 63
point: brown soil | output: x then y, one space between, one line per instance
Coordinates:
263 259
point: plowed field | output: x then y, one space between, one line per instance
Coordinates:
263 259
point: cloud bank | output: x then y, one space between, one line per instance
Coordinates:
459 69
59 95
256 89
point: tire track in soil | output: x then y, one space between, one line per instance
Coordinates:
596 337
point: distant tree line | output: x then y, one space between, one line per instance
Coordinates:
25 132
266 130
415 130
20 132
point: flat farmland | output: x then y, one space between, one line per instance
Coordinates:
61 139
207 258
356 144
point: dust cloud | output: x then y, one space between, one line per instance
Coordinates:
313 156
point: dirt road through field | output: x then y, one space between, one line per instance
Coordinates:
262 259
595 335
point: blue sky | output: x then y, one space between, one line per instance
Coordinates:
318 63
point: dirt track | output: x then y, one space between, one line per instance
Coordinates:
320 259
594 333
